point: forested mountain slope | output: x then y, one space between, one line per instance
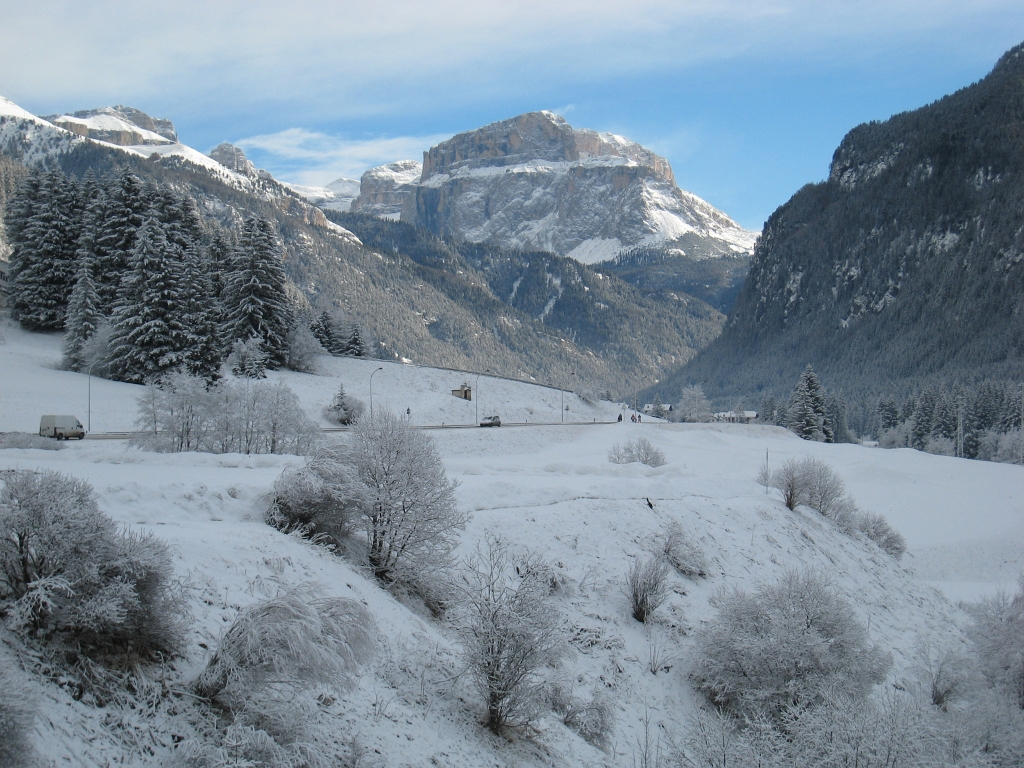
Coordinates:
555 321
903 268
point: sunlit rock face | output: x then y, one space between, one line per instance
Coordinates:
536 182
383 191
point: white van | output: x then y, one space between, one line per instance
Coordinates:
61 427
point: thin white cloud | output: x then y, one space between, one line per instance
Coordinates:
352 57
307 157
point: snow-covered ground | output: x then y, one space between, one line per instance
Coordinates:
547 489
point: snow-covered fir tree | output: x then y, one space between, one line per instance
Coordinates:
43 257
199 317
84 315
354 346
255 299
148 339
807 415
127 208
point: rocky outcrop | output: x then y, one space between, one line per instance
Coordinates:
535 182
234 159
120 125
384 191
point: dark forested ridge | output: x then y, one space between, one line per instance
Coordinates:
905 268
603 316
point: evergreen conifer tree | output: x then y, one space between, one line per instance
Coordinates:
126 209
354 347
807 407
255 299
202 344
148 340
43 259
84 316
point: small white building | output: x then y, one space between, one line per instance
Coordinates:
735 417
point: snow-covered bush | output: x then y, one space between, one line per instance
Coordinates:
789 480
303 349
412 518
183 413
511 633
998 638
22 440
247 358
67 572
17 713
877 528
783 645
265 669
592 718
940 446
639 450
344 409
807 481
324 498
824 489
295 641
896 437
683 553
646 586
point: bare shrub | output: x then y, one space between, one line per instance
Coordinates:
639 450
877 528
824 488
23 441
647 454
998 638
806 481
17 714
846 516
511 632
592 718
184 413
781 646
297 640
683 553
647 586
412 518
66 570
789 480
944 672
618 454
324 499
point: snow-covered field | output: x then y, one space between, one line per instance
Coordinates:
547 489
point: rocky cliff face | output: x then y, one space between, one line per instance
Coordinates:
905 268
234 159
535 182
121 125
383 191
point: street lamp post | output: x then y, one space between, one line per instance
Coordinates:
371 392
89 417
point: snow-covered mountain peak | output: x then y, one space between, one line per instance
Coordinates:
533 181
121 125
384 190
234 159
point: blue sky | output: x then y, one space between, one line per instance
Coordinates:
747 100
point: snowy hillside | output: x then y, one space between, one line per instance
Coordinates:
549 490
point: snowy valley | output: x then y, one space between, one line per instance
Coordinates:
550 494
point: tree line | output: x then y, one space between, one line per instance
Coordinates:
142 285
979 422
